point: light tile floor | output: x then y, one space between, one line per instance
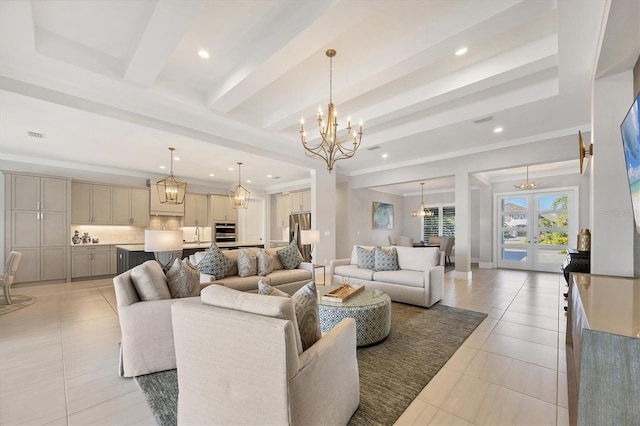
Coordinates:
59 357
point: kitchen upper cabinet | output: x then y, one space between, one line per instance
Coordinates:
195 210
130 206
222 210
91 204
36 193
283 205
301 201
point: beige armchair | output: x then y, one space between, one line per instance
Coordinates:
9 273
446 245
240 362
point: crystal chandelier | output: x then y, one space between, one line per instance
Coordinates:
171 190
239 195
422 210
527 185
332 148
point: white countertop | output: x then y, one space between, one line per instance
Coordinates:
204 245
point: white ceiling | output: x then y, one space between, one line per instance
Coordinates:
113 84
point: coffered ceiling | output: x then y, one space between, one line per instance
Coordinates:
112 84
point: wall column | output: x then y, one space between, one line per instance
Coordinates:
323 214
463 227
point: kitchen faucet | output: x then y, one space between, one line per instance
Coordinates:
198 235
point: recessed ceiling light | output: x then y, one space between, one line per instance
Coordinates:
162 167
498 129
230 169
211 175
269 176
385 155
176 158
248 180
461 51
203 54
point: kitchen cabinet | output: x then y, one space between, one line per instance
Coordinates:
301 201
130 206
195 210
221 210
113 265
90 261
91 204
283 205
162 209
37 226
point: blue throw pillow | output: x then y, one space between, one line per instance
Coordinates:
366 258
386 259
290 256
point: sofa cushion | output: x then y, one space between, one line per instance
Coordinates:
386 259
366 258
247 263
242 283
183 279
418 258
354 271
305 302
265 262
215 262
275 307
290 256
276 260
403 277
284 276
150 282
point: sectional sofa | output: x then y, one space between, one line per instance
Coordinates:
419 281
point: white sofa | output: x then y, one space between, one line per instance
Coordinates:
240 361
287 280
419 281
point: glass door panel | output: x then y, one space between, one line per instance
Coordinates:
552 235
515 250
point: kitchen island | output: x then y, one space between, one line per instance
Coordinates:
130 255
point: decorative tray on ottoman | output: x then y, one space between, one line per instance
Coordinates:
342 293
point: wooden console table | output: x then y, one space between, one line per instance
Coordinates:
603 350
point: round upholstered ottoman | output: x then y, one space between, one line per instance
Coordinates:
370 308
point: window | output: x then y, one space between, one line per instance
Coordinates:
443 222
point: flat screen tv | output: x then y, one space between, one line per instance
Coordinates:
630 129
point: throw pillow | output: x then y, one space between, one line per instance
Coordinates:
305 302
150 282
215 262
267 290
183 279
290 256
247 263
366 258
265 262
386 259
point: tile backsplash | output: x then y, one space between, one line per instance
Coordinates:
135 234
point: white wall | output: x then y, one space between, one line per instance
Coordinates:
2 223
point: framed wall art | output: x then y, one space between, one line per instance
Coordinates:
382 215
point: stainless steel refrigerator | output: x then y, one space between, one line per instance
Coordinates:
300 222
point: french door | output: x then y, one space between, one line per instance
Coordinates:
534 229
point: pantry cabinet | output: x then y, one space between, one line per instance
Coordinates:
130 206
283 205
91 204
37 226
195 210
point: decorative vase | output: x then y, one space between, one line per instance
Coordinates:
76 239
86 239
584 240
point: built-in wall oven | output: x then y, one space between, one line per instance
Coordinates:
225 232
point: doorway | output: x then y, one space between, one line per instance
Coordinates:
534 228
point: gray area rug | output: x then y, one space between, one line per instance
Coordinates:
17 302
392 373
